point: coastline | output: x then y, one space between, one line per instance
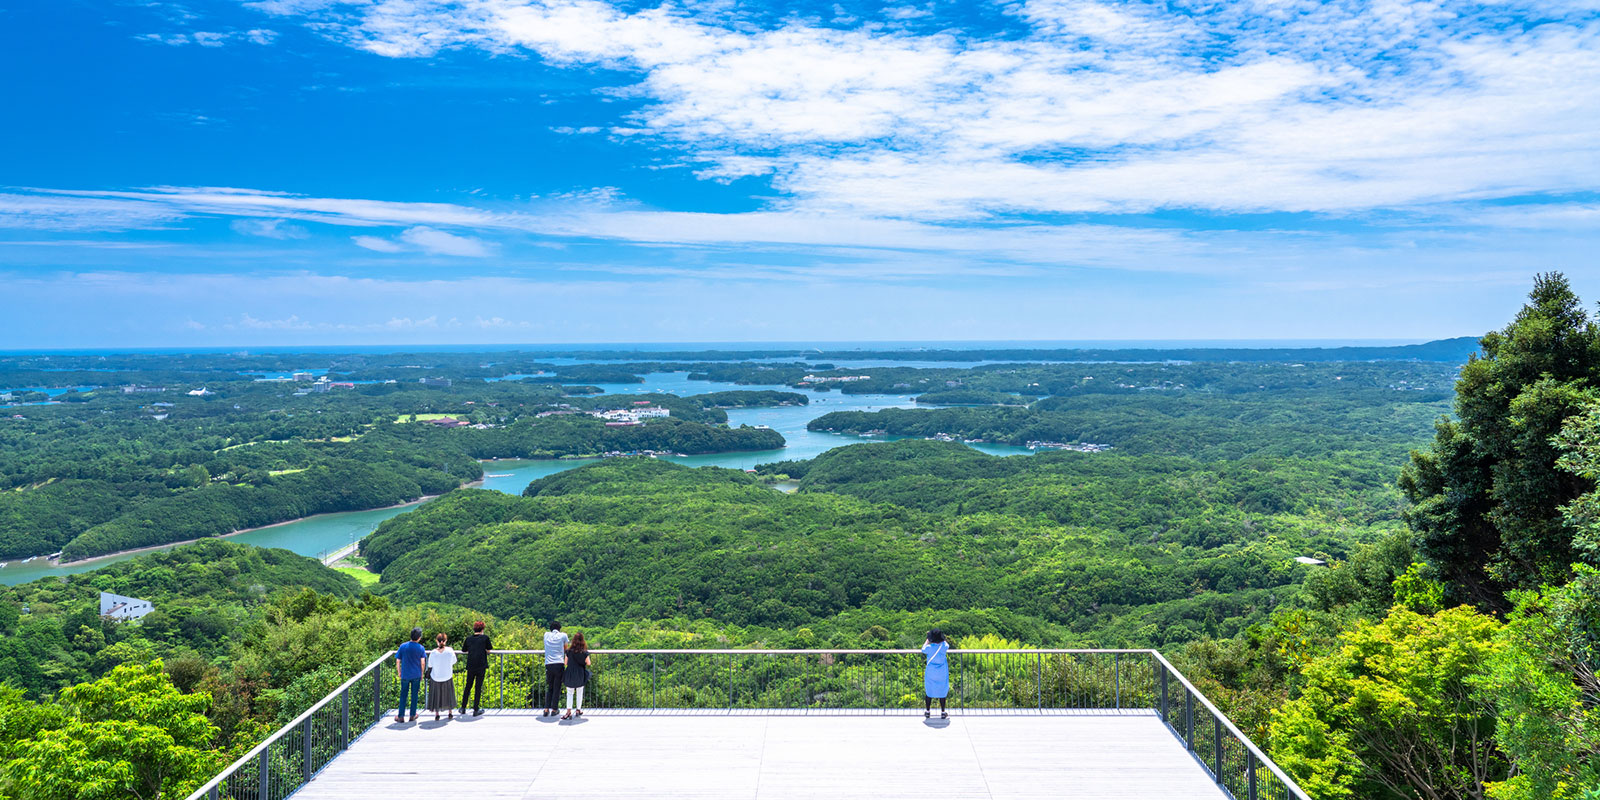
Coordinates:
152 548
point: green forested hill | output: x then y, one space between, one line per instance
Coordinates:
1100 545
203 595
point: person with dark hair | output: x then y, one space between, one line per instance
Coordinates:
441 677
408 665
477 648
555 658
936 674
577 672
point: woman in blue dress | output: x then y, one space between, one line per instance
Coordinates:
936 675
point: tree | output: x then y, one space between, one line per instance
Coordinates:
1543 681
1392 713
1487 496
131 734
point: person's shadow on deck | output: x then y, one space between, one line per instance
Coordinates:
936 723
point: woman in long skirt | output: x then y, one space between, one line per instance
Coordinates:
936 675
441 678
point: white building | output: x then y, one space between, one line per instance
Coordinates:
633 414
201 392
116 606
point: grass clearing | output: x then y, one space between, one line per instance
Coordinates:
366 578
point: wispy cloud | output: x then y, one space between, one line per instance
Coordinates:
269 228
442 243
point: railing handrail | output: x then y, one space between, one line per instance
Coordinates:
1260 757
769 652
255 752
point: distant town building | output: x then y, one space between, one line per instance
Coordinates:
447 422
201 392
632 416
443 383
321 386
342 385
836 379
136 389
116 606
1311 562
304 376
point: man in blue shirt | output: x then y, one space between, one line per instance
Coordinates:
408 662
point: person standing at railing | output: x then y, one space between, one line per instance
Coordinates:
408 664
555 658
477 648
577 672
936 674
441 677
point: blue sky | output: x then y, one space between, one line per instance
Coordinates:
324 172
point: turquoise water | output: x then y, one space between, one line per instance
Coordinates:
324 533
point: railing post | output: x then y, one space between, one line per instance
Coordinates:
730 683
377 695
502 705
1188 718
264 773
305 748
344 720
652 681
213 794
1217 742
962 679
1116 662
1163 672
1038 679
1250 775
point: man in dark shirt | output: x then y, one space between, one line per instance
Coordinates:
408 661
477 648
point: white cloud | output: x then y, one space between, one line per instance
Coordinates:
1261 105
442 243
377 243
269 228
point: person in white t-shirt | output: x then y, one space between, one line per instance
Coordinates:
441 677
555 656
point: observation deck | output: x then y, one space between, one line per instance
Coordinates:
1092 724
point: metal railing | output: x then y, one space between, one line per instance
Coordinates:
736 681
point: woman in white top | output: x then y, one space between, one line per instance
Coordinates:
441 678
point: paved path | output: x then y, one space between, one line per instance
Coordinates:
615 754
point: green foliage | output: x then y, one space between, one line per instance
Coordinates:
1543 681
973 397
204 594
1120 549
1488 496
1393 711
131 734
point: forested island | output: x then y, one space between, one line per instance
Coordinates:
160 460
1445 650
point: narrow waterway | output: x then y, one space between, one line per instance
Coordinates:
324 533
